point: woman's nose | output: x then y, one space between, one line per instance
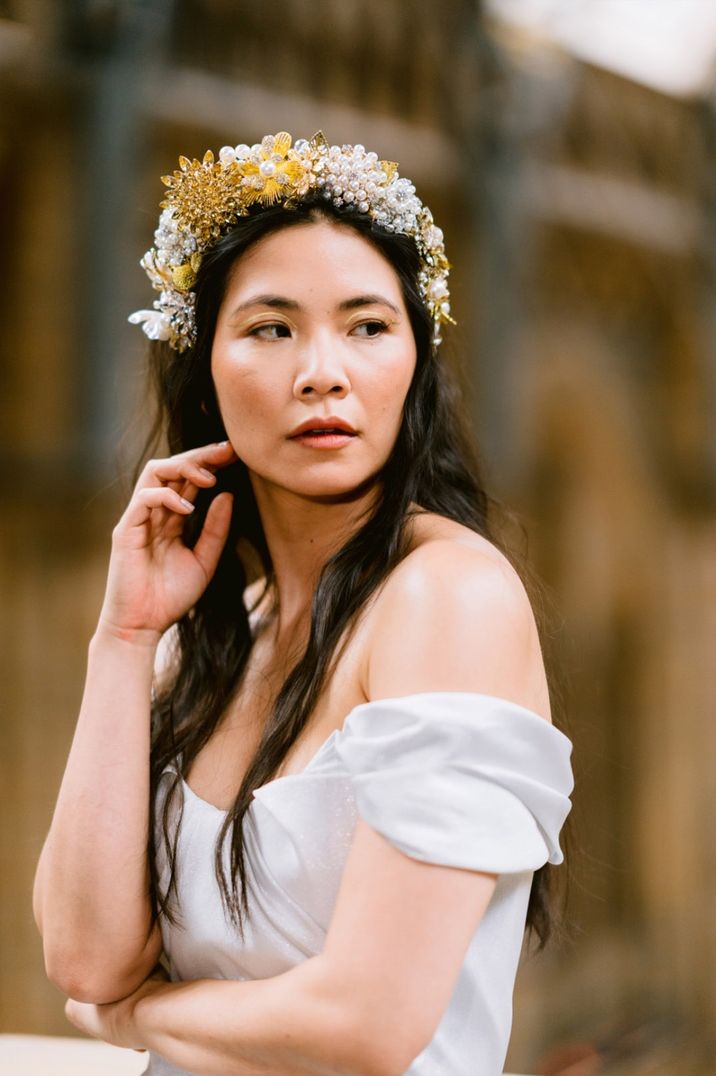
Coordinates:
321 372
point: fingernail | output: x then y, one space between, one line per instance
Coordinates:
187 504
206 474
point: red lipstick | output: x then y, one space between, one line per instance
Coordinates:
332 422
330 432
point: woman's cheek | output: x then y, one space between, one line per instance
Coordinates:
242 398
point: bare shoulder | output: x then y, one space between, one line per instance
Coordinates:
454 615
450 564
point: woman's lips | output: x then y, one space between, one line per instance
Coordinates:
316 439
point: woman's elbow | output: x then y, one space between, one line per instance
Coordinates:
360 1036
381 1048
86 981
101 976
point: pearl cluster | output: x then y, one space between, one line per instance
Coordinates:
205 199
350 176
176 246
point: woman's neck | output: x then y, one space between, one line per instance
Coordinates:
302 534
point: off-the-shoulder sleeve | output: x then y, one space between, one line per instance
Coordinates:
460 779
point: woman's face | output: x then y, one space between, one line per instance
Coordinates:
313 326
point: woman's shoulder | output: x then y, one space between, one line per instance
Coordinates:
440 548
451 573
454 613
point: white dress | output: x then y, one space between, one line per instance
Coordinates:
455 778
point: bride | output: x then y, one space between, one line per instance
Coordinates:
314 770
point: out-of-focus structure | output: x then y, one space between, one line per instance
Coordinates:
576 191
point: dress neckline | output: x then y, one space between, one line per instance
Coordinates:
274 781
390 700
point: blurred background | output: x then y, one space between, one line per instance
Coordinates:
568 150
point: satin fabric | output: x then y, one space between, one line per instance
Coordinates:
453 778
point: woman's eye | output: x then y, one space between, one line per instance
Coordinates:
260 330
375 327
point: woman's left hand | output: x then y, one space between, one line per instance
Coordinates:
113 1022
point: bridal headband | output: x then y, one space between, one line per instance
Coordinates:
205 199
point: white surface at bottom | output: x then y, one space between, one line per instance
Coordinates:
45 1055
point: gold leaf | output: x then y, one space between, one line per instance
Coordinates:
208 157
184 163
389 167
319 139
282 143
292 169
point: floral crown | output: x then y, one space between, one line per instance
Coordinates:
206 198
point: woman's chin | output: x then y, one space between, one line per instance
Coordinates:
325 488
333 492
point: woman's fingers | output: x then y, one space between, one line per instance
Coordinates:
187 490
177 475
144 500
214 532
197 465
172 484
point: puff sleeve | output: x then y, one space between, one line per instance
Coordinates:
460 779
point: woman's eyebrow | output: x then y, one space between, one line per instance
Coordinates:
367 300
267 300
281 303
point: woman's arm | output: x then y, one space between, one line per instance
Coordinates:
298 1023
373 999
91 894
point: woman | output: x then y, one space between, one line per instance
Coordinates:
330 794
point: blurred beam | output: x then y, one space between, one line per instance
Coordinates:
222 104
16 41
520 107
114 55
707 298
623 208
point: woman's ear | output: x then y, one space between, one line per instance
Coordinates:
212 423
210 405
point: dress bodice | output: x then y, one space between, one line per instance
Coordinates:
454 778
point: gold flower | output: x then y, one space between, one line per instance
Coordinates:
276 176
204 197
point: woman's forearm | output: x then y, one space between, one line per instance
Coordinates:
91 891
296 1023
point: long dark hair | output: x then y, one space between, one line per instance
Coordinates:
434 464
